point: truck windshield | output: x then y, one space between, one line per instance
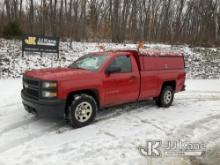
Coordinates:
89 62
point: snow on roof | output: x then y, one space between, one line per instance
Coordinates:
160 53
150 52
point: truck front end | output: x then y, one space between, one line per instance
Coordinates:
41 96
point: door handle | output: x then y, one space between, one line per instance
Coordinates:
133 77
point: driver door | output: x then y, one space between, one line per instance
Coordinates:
123 85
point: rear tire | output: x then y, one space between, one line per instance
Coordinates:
82 110
166 97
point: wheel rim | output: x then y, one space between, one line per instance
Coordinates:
168 97
83 112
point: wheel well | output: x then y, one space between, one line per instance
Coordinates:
170 83
92 92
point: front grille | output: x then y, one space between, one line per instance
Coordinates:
31 87
32 92
32 82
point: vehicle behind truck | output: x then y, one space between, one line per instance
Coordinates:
103 79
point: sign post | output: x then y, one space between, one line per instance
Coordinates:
40 44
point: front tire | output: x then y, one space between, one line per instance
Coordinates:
82 110
166 97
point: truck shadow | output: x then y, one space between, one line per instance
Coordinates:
118 110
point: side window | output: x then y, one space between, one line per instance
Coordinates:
124 62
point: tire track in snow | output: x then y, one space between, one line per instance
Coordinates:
18 124
21 141
10 105
197 124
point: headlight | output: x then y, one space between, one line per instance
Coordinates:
49 84
49 94
49 89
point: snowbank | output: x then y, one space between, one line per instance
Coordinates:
201 63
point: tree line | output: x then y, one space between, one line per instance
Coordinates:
169 21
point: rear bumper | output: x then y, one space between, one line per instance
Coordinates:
53 107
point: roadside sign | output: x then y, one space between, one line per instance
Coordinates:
43 44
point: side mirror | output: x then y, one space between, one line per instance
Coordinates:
113 69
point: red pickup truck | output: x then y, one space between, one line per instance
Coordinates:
103 79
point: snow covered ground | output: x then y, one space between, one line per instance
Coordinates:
201 63
114 137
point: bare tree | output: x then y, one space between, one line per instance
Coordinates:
171 21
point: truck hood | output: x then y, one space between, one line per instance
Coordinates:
58 73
